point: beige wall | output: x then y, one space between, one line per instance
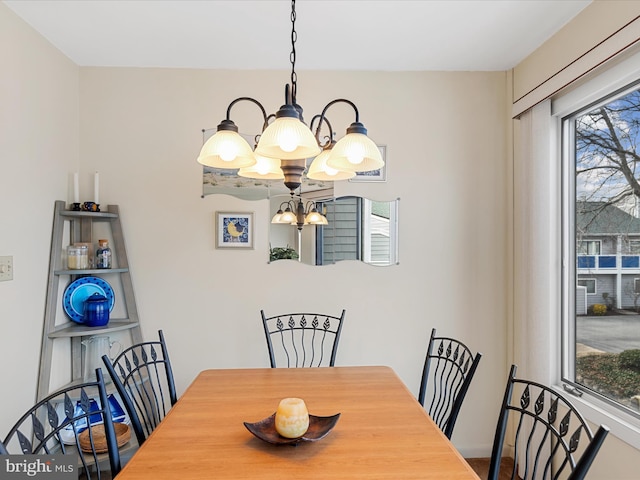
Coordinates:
141 128
39 127
448 149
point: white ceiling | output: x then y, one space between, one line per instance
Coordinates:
474 35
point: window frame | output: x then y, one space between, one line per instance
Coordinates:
595 285
594 90
633 246
590 242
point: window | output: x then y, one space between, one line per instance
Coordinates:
589 247
589 283
601 147
633 246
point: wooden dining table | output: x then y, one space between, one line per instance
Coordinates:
382 432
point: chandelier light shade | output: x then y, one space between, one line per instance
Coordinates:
314 217
226 149
356 152
319 170
264 169
278 215
287 140
288 217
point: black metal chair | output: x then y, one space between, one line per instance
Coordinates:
302 339
448 370
58 424
552 440
143 377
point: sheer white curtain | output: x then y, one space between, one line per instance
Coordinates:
536 245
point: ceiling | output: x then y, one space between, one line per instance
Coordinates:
452 35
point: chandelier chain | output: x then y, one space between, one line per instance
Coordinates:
292 57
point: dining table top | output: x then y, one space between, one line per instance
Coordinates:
382 432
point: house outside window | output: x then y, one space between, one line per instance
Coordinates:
601 178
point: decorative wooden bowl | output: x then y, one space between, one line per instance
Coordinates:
123 435
319 427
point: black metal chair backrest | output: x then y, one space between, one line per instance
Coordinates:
58 424
302 339
448 370
143 376
552 440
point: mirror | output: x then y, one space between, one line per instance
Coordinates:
358 229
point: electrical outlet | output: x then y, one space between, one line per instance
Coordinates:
6 268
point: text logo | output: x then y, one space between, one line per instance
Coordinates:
38 467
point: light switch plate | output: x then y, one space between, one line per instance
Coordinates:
6 268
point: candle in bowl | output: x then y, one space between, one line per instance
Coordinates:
292 418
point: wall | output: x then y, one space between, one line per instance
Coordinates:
39 118
141 128
534 230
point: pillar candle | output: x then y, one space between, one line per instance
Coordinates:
96 188
292 418
76 189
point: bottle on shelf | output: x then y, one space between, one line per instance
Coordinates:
103 255
77 257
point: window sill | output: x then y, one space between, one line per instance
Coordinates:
623 426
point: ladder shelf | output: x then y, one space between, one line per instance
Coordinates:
78 227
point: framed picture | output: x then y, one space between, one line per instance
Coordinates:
379 175
234 229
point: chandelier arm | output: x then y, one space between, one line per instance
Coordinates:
309 206
256 138
341 100
320 119
265 118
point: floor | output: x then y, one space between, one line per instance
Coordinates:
481 467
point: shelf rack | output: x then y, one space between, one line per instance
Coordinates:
57 327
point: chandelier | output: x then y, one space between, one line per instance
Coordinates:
286 142
299 214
